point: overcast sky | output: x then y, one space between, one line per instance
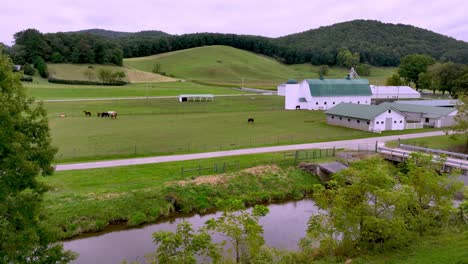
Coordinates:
270 18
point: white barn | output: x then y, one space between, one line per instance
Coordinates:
374 118
281 89
428 116
323 94
394 92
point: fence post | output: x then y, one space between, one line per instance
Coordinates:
296 155
313 154
377 144
320 151
334 151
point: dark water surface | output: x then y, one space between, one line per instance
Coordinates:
283 227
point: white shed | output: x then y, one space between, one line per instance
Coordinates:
394 92
375 118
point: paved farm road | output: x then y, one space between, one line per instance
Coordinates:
347 144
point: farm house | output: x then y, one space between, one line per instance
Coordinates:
323 94
394 92
375 118
428 116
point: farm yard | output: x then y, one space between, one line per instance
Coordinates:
165 126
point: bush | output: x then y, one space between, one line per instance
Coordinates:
26 79
79 82
323 70
56 57
363 69
41 67
29 69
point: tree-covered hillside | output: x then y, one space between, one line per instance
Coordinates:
377 43
359 41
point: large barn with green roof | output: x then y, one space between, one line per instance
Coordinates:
323 94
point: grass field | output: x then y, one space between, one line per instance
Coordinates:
81 201
43 90
165 126
66 71
450 143
227 65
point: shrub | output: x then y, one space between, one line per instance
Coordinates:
323 70
80 82
41 67
29 69
26 79
363 69
137 219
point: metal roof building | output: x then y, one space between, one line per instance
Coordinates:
394 92
438 103
323 94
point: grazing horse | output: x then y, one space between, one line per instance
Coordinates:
104 114
250 120
87 113
112 114
298 107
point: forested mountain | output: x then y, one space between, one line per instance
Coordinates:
377 43
368 41
119 34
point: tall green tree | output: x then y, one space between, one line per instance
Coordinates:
32 44
241 227
394 80
445 76
412 65
41 66
25 154
461 119
184 245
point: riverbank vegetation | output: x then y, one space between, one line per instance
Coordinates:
89 200
369 211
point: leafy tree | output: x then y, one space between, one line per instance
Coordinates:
431 192
41 67
363 69
118 76
184 246
89 74
323 70
29 69
461 119
446 76
105 75
156 68
32 45
347 59
394 80
425 81
244 232
26 153
412 65
57 57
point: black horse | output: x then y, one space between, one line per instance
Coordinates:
104 114
298 107
87 113
250 120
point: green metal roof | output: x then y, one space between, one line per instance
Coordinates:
291 81
427 111
366 112
339 87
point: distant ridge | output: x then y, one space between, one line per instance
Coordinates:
120 34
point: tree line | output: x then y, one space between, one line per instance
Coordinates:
426 73
376 43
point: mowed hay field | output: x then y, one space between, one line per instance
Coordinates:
40 89
165 126
228 66
66 71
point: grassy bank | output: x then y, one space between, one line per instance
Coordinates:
449 143
89 200
448 247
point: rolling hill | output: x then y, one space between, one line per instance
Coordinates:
224 65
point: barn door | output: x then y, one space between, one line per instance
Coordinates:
388 123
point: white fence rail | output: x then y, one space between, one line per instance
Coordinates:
414 125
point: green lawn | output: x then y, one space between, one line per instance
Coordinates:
165 126
87 200
449 143
42 90
227 65
448 247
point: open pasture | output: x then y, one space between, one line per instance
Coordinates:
165 126
42 90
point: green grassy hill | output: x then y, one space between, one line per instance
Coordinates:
227 65
77 72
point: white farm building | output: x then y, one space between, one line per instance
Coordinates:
394 92
323 94
375 118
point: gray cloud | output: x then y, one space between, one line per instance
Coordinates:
271 18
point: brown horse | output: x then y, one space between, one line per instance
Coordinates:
87 113
250 120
